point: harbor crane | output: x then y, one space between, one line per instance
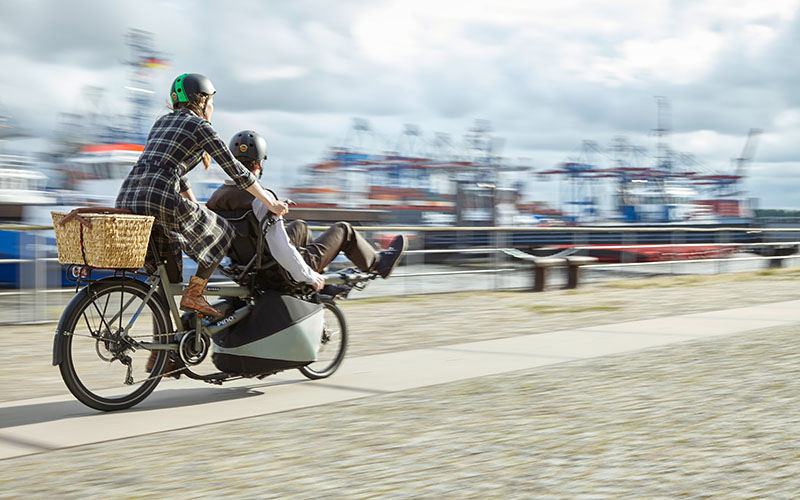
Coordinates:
728 185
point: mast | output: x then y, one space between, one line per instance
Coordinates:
144 61
662 134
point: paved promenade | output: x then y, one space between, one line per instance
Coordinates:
710 412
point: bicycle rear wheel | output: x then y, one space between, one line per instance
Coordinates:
102 368
333 346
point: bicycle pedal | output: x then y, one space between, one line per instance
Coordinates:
208 319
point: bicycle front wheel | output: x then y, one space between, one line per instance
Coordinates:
333 346
101 367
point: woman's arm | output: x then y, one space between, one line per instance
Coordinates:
189 195
268 199
209 140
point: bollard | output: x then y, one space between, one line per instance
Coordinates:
574 263
540 267
775 263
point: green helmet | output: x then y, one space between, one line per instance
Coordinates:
189 84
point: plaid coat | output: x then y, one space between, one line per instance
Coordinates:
174 147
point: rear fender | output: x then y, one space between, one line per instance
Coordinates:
60 329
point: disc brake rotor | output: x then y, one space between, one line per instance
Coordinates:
103 352
103 345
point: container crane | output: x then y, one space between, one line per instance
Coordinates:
723 185
726 193
747 152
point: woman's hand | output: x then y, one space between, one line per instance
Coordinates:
278 207
189 195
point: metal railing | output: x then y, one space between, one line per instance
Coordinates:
433 270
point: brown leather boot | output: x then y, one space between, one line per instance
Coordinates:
151 361
169 367
193 299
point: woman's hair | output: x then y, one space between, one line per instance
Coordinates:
196 105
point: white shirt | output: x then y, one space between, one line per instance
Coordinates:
282 249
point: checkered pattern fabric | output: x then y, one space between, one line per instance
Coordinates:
174 147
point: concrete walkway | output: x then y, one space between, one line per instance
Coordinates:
45 424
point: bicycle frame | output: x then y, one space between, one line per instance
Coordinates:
172 290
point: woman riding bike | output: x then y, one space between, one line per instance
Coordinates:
157 186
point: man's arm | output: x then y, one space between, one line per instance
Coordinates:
283 251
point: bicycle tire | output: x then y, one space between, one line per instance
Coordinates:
323 369
88 317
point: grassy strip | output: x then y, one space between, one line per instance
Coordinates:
627 284
552 309
702 279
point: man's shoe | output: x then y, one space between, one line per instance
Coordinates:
390 256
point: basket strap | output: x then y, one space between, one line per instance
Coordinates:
83 251
75 214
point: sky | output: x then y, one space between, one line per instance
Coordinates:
546 75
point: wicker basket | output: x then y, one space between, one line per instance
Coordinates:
114 241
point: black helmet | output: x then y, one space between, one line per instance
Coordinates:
189 84
247 145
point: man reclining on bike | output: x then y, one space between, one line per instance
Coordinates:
291 245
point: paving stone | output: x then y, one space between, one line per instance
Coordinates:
713 418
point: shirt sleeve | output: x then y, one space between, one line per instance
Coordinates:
184 184
209 140
281 248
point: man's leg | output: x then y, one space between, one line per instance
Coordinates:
339 237
298 233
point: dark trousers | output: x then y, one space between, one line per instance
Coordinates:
340 237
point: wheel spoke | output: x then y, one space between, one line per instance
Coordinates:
102 313
89 326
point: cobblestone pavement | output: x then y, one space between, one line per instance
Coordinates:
708 419
714 418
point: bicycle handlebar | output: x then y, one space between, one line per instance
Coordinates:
347 277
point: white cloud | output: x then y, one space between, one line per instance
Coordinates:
547 74
743 11
788 119
266 73
673 60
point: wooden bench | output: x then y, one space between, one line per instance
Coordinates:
540 265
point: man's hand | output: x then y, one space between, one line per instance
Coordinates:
319 282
